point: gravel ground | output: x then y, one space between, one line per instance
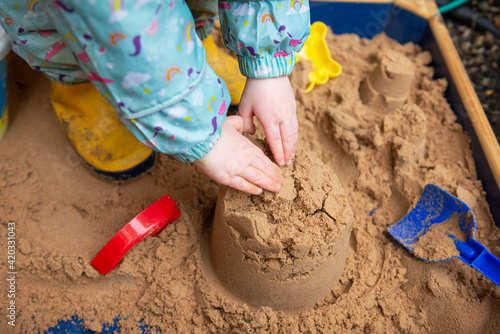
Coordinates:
480 53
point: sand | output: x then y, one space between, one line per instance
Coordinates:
436 245
63 216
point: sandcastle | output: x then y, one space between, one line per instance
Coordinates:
389 84
285 250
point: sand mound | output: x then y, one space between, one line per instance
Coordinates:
284 250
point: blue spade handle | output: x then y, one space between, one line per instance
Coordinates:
477 256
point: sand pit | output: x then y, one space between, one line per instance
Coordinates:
382 158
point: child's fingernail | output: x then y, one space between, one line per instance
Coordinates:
289 162
282 163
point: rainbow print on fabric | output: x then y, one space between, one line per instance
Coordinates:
295 2
222 108
8 20
31 4
45 33
210 103
116 10
153 27
115 37
69 36
266 17
115 5
297 6
189 36
265 50
171 72
30 8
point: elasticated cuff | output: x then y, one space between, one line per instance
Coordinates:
267 66
199 151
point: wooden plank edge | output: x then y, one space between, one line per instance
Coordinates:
418 7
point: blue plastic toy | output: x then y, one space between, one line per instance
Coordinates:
437 206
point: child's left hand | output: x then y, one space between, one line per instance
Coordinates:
235 161
272 101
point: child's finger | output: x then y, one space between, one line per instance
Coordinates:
268 168
288 139
266 159
273 137
258 178
239 183
236 122
247 115
295 136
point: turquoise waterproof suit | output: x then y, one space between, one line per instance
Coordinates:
147 59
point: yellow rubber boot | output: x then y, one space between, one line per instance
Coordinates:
92 126
226 67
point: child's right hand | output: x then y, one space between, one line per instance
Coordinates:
235 161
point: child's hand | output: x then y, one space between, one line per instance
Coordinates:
235 161
273 103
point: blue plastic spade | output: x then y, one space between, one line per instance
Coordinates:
438 206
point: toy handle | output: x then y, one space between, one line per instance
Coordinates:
149 222
477 256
